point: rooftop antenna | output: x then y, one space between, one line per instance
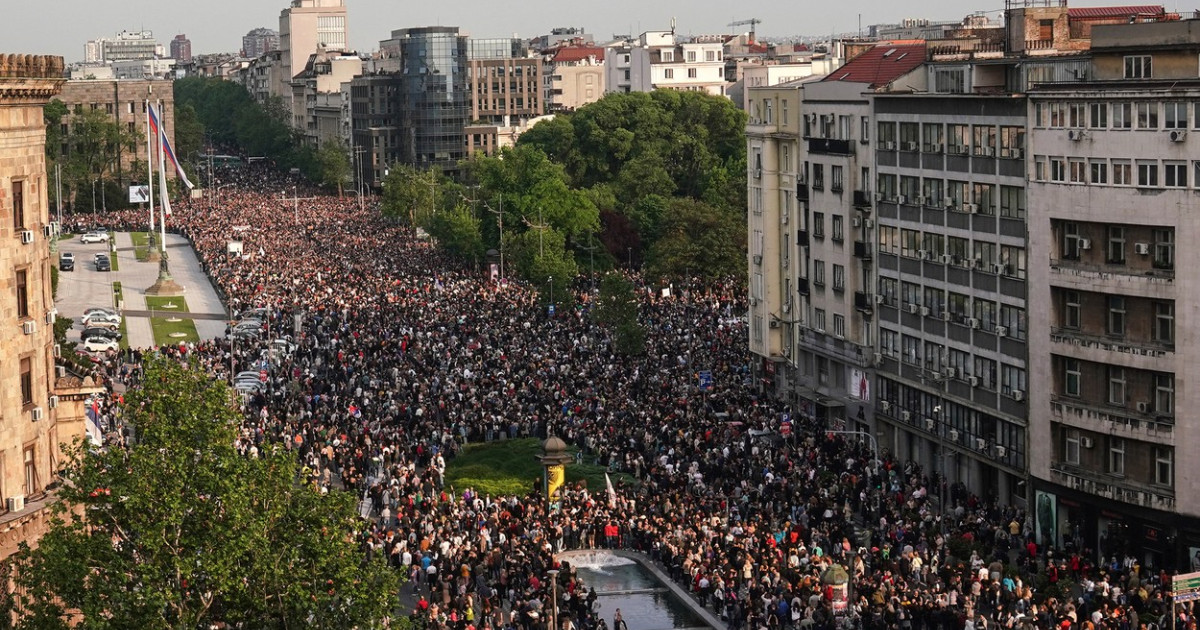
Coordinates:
672 26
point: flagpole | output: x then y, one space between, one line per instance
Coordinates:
162 170
151 246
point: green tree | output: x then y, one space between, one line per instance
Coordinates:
699 239
536 191
411 193
189 131
617 310
458 232
542 259
182 531
93 144
333 165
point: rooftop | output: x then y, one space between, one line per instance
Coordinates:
882 64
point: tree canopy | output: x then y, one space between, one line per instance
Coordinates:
183 531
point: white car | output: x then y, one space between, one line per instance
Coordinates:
100 344
100 310
94 237
102 320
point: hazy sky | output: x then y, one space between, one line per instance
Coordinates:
61 27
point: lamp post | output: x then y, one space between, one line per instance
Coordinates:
553 598
550 281
93 196
218 194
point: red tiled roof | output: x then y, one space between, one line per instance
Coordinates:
881 64
571 54
1092 13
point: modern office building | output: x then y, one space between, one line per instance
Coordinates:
181 48
125 46
41 405
505 82
1113 184
434 98
259 42
305 26
375 132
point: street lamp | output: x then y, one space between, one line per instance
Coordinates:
218 193
553 599
550 281
93 196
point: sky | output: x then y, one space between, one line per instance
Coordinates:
62 27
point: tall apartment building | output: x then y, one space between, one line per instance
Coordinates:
316 94
181 48
260 41
1113 182
124 100
656 59
505 82
305 26
40 408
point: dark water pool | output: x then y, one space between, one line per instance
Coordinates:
645 603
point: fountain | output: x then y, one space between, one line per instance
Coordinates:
622 582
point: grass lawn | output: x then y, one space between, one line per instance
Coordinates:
112 260
124 335
163 329
140 240
511 467
157 302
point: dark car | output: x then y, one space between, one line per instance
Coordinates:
97 331
103 264
66 261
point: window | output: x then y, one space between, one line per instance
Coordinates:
1098 116
31 479
1164 466
839 278
1164 248
1164 394
1077 171
985 312
18 203
889 344
1012 379
910 243
985 140
1116 455
783 105
910 292
985 198
786 158
931 189
956 304
887 288
1077 115
949 81
957 247
1138 67
934 243
819 319
1175 115
1116 245
1072 376
1071 446
669 73
26 381
819 273
1099 170
935 300
985 371
1147 115
959 139
22 294
818 176
839 325
1164 322
837 229
1012 202
911 347
1175 174
1071 310
692 75
818 225
1070 241
1013 318
1122 116
1122 173
864 128
1116 385
1116 315
887 135
836 179
691 56
1058 169
668 56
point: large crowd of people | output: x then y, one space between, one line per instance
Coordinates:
404 355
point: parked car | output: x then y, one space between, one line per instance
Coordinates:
96 310
103 264
97 331
66 261
94 237
100 344
246 335
101 320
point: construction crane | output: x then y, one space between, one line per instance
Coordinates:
752 22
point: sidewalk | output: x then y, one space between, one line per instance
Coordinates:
135 277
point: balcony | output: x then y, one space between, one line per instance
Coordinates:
1077 413
802 191
1098 484
802 238
864 302
862 250
862 199
1151 283
830 146
1105 343
802 287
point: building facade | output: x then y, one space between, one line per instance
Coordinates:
124 100
1113 182
125 46
374 121
181 48
259 42
303 27
434 96
656 59
40 410
573 76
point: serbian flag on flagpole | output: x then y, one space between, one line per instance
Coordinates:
168 153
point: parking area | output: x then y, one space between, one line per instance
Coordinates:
85 287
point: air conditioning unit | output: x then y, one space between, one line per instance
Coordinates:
1018 395
990 151
946 316
51 316
1178 135
879 362
48 230
856 222
901 199
971 208
878 196
758 260
947 259
974 381
774 323
910 146
924 311
1075 135
36 413
930 423
1085 243
997 268
1142 248
1016 154
15 503
914 308
28 327
953 435
980 444
920 200
972 322
923 254
948 372
906 415
27 236
880 298
949 203
977 263
1143 407
889 146
1002 331
60 371
868 223
53 402
1001 451
1086 442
